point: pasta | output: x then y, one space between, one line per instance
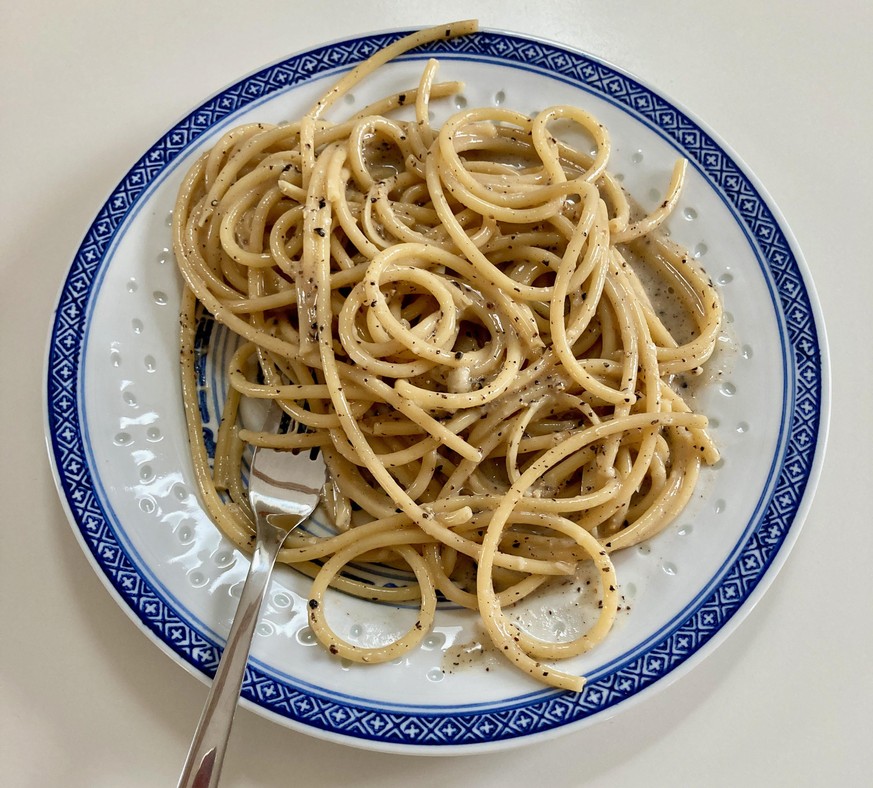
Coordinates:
458 317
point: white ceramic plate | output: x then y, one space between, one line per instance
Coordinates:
116 430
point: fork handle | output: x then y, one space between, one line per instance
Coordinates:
203 764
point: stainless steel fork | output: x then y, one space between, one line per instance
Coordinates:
284 489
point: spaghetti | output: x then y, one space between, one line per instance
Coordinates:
456 316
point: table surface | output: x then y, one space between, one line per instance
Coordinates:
88 86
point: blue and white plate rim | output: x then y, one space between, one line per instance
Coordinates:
767 538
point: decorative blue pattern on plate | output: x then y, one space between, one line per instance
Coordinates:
776 517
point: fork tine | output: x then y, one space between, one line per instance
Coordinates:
273 418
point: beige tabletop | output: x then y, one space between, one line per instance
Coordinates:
88 86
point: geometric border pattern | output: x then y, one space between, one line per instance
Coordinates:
766 536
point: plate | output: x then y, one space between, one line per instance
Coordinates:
115 425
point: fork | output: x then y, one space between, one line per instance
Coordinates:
284 489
